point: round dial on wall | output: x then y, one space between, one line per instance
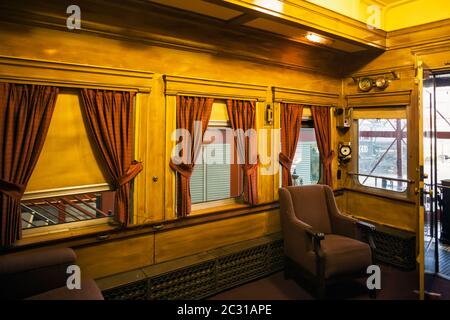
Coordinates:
365 84
381 83
345 150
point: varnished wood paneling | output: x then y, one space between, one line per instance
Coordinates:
182 242
385 211
113 257
421 35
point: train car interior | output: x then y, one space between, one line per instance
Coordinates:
225 150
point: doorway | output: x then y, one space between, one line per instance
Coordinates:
436 146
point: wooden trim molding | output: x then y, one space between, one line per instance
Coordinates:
420 36
22 70
176 85
290 95
395 98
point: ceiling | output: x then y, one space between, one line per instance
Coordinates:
237 18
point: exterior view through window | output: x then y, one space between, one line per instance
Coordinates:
382 153
216 176
306 165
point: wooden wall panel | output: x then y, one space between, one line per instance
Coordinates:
385 211
112 257
191 240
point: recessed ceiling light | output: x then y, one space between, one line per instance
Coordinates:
318 39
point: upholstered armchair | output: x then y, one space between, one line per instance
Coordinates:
319 241
42 275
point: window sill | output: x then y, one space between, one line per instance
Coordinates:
217 206
36 238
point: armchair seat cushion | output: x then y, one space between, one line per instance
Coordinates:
344 255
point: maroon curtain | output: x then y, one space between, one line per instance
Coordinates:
110 118
25 113
242 115
322 128
291 123
191 111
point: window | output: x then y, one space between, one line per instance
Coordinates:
64 209
68 183
382 153
217 175
306 166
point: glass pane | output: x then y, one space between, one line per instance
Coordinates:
383 153
65 209
213 175
306 165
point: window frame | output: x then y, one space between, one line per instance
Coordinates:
60 192
356 177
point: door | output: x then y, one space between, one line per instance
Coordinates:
436 157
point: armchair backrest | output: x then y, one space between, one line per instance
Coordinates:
311 206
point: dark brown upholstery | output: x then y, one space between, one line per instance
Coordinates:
23 275
89 290
317 238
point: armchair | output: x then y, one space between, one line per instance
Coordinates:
324 244
41 275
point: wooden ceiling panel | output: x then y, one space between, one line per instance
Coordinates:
201 7
298 34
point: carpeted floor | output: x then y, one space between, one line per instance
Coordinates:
395 285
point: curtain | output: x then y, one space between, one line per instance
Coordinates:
242 115
322 128
109 115
193 115
291 123
25 114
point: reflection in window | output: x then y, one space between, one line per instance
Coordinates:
306 165
382 153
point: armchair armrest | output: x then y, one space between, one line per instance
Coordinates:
315 236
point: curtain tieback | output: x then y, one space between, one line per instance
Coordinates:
250 169
132 172
183 169
285 161
11 189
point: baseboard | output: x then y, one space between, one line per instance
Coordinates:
198 276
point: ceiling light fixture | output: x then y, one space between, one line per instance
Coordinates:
318 39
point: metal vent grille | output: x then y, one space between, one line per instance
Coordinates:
134 291
188 283
224 270
241 267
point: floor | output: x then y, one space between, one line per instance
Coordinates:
443 249
395 285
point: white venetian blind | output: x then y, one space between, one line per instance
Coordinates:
211 180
